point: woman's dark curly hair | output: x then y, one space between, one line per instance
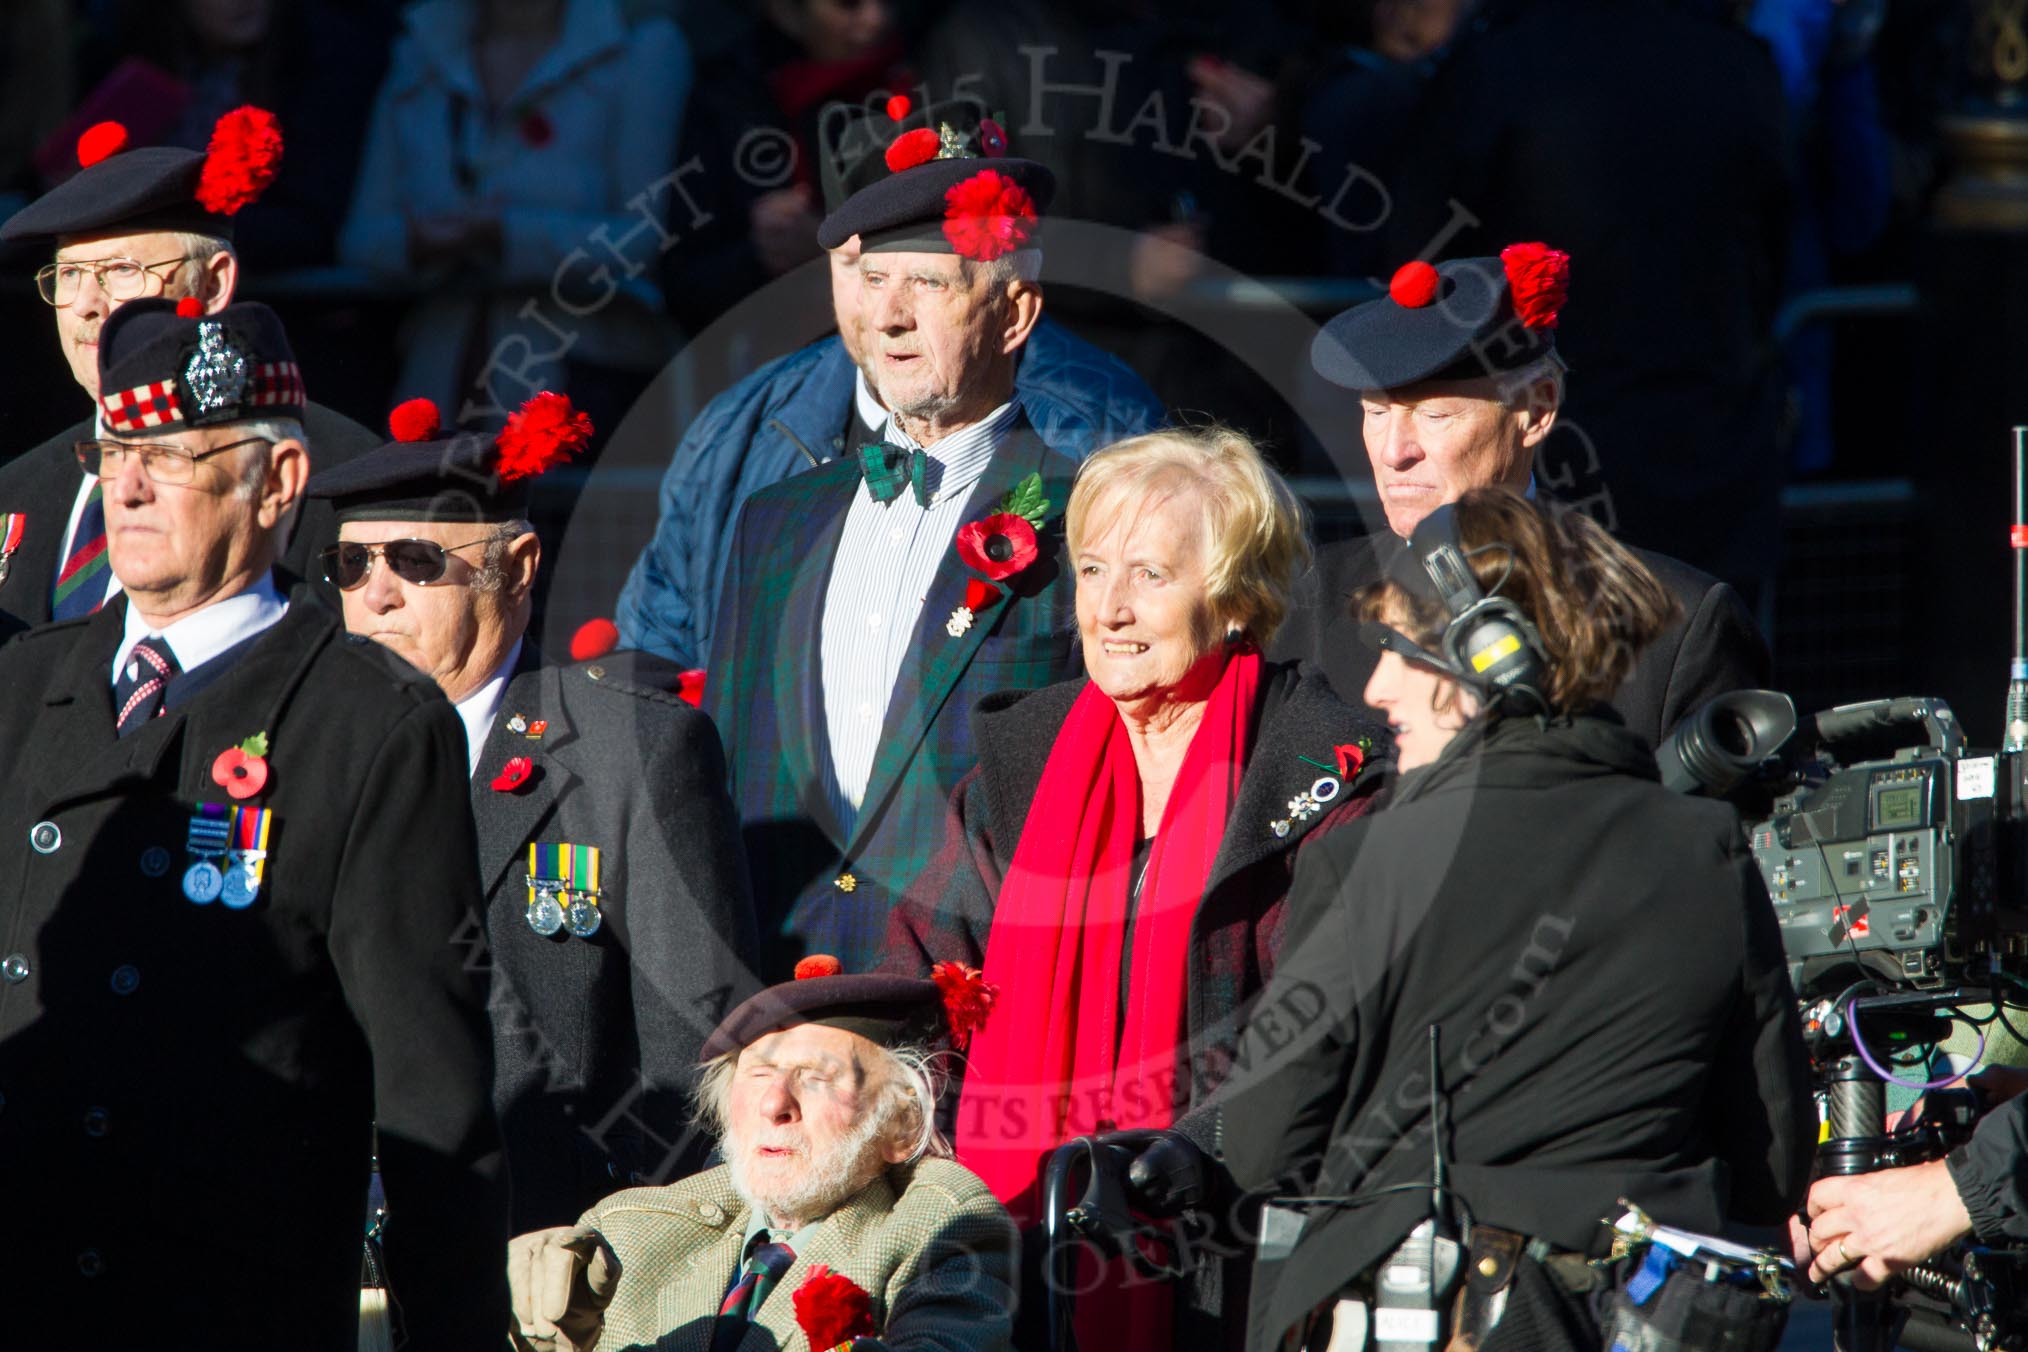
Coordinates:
1595 604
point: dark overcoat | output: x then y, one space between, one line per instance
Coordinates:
42 485
1236 933
191 1091
818 886
1604 970
1712 647
595 1038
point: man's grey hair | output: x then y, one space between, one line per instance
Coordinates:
916 1078
253 465
492 574
197 250
1517 385
1022 265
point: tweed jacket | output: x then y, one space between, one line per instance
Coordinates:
819 887
42 484
926 1241
174 1071
1235 935
594 1038
1713 647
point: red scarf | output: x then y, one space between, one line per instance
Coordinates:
1055 1061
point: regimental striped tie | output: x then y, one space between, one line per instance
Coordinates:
137 694
757 1278
81 582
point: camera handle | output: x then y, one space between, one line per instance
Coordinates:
1862 1321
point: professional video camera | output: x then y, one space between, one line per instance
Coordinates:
1897 860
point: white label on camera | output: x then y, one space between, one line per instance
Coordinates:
1404 1326
1975 779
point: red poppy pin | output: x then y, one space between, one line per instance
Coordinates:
513 774
242 771
690 686
832 1309
999 545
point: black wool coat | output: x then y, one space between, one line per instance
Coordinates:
1605 972
1713 646
42 484
191 1091
596 1038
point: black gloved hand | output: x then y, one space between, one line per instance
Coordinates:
1169 1176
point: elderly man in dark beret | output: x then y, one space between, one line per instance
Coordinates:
1459 382
235 850
823 1091
617 917
860 622
132 222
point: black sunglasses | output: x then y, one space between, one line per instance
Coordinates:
419 561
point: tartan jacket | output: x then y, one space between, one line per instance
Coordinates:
818 887
1235 935
925 1241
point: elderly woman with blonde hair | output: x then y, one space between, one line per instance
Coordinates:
1120 857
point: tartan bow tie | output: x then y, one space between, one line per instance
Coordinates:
888 466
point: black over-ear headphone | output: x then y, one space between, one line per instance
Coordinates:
1487 643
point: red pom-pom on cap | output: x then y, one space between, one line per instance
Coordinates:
1414 285
189 308
1539 279
594 638
988 215
899 107
101 140
968 998
541 434
244 156
414 420
818 964
912 148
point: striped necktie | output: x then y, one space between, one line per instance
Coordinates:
763 1269
81 582
137 694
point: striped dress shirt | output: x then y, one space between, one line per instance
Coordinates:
886 559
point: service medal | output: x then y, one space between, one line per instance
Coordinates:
240 889
583 917
202 882
545 915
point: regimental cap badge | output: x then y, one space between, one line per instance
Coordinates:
215 377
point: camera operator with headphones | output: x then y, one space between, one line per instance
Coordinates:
1534 973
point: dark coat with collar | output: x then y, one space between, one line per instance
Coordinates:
1236 934
1606 974
1712 647
595 1039
819 887
191 1091
43 484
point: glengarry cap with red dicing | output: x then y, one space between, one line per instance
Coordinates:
1457 320
166 365
126 190
950 187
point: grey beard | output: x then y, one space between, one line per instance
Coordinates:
829 1180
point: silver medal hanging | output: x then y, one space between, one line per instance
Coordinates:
545 913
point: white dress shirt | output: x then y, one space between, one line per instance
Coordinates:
197 638
871 411
887 557
478 709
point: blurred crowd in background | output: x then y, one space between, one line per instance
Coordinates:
1705 162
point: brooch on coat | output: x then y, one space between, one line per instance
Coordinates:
999 546
13 525
1350 756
